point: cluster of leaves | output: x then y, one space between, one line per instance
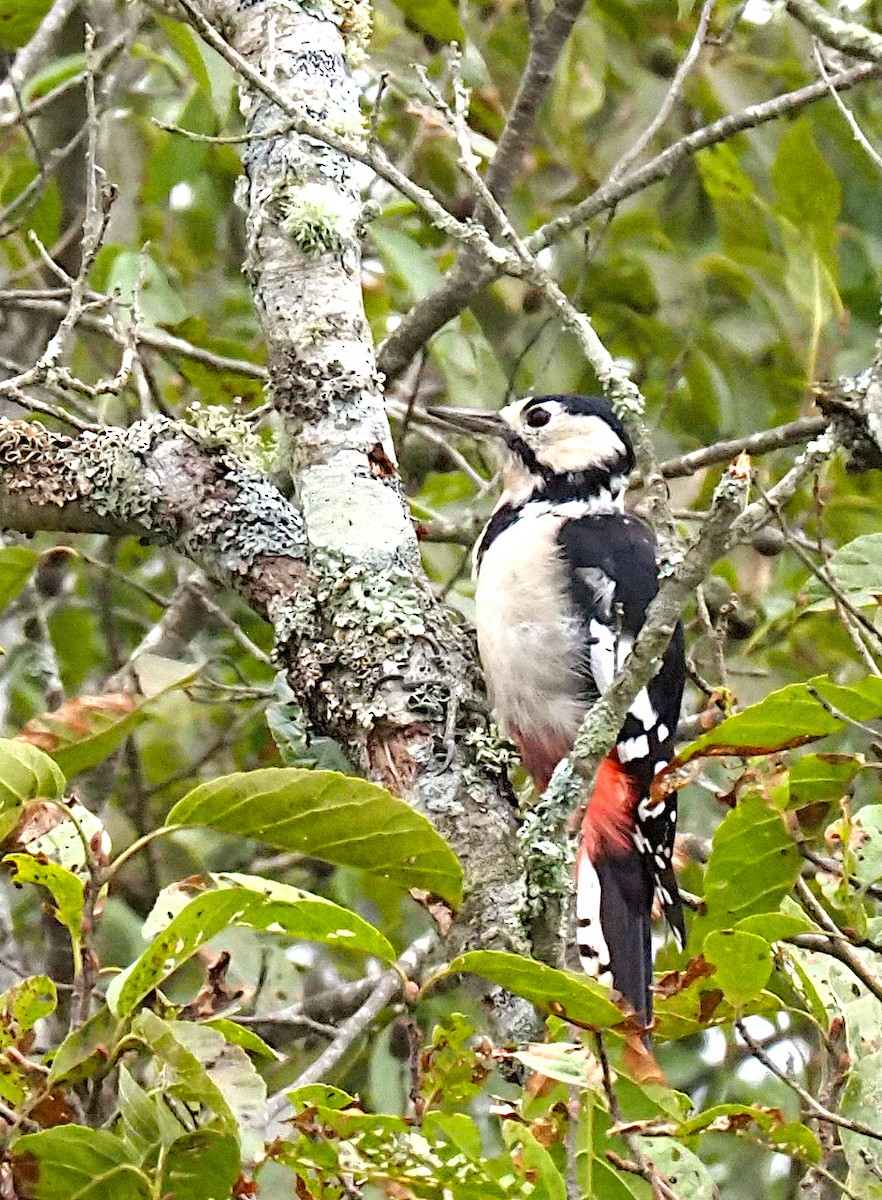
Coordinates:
154 1090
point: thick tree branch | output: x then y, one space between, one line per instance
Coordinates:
156 482
847 36
372 658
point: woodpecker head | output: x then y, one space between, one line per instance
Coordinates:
555 447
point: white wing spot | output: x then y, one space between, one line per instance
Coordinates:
631 748
663 732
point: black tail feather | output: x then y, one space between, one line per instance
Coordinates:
626 892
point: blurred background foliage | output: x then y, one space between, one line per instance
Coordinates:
728 288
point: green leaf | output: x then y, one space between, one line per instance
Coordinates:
753 864
567 994
535 1162
146 1122
743 963
202 1165
867 842
808 194
238 1035
190 1078
16 565
23 1005
19 20
71 1162
25 773
66 888
85 1049
821 778
280 908
689 1177
84 731
253 902
857 569
67 834
329 816
786 718
567 1062
436 17
203 918
775 927
404 257
738 1118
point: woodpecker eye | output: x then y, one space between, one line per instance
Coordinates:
537 417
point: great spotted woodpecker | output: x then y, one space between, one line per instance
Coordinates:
564 578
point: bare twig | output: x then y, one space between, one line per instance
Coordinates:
672 95
386 988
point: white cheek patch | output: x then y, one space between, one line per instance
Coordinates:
631 748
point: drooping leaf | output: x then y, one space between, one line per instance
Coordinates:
753 864
189 1076
85 1049
202 1165
72 1162
334 817
252 901
87 729
23 1005
66 888
575 997
67 834
203 918
808 194
743 963
25 773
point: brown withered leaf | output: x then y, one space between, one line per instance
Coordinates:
677 981
710 1002
75 719
215 994
440 912
52 1110
639 1063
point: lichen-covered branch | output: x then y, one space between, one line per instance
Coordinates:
155 481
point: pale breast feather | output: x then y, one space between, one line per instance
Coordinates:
529 633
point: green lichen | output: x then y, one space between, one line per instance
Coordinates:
353 19
217 427
319 217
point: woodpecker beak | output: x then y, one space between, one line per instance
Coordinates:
470 420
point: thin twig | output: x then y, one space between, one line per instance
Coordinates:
388 986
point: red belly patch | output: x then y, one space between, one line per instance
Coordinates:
609 817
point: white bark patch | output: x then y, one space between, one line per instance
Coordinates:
351 514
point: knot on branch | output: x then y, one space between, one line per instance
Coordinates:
853 404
